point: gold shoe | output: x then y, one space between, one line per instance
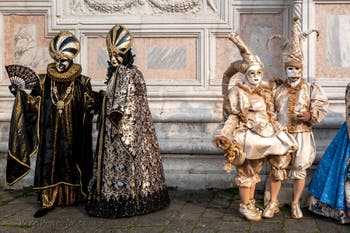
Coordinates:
249 212
296 211
271 209
257 209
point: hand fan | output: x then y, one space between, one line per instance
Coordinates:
22 77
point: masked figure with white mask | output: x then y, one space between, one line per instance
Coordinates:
250 132
299 105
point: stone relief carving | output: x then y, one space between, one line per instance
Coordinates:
212 5
109 6
26 51
175 5
139 6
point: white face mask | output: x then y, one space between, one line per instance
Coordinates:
254 75
294 73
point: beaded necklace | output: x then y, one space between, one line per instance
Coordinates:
57 100
60 101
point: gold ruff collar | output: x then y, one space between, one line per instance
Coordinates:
72 73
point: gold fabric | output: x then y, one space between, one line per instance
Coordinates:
304 97
279 165
251 124
249 58
293 51
248 173
70 75
234 156
64 45
131 140
119 42
303 158
60 195
23 136
128 176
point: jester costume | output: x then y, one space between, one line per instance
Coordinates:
250 131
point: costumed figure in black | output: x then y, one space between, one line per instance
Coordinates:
128 176
54 121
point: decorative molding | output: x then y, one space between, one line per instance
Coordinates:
298 10
1 46
125 6
143 13
330 1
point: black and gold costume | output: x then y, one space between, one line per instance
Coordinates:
128 173
55 122
128 176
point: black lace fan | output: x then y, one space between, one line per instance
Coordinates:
22 77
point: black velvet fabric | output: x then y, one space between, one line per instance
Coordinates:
65 145
63 141
22 137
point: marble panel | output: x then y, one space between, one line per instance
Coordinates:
167 58
332 59
157 58
338 45
25 42
255 29
97 57
226 52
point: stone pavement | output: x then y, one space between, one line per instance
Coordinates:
212 210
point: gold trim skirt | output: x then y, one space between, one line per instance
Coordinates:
60 195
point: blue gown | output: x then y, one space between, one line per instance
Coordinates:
327 186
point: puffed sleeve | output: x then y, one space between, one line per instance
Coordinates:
120 96
231 109
318 103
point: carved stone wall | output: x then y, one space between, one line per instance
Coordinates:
182 49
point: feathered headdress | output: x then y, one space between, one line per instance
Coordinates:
249 59
292 51
64 45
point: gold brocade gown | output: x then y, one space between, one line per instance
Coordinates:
128 174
